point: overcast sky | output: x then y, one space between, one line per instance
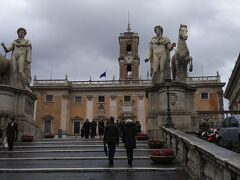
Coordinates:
80 37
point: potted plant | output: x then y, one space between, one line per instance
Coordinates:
142 136
162 156
27 138
155 143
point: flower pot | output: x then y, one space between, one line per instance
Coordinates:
162 159
162 156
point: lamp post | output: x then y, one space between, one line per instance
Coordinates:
169 123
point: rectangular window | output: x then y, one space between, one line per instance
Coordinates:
49 98
47 126
78 99
76 127
127 98
101 99
204 96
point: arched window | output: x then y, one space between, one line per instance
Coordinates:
47 120
77 124
129 49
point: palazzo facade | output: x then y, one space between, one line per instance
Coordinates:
65 105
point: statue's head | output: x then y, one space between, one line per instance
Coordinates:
183 31
22 29
158 28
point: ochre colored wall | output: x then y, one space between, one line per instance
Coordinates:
211 104
49 108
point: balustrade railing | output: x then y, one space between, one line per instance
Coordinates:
201 159
108 83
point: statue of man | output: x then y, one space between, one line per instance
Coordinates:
21 58
159 55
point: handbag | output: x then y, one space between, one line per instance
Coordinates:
5 143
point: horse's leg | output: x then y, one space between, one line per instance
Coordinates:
190 64
173 67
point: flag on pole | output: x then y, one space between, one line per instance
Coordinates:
103 74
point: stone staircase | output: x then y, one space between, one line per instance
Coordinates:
65 157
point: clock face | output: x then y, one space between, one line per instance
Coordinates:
129 59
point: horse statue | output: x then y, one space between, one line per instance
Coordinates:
5 65
181 58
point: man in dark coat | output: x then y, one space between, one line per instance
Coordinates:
86 127
11 133
129 133
101 127
111 138
93 128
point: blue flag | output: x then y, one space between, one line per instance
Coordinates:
103 74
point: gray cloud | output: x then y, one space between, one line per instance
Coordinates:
80 38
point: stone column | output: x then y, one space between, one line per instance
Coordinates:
89 108
141 112
64 113
113 107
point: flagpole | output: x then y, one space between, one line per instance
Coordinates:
106 75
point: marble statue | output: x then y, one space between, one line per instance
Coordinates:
21 59
181 58
159 55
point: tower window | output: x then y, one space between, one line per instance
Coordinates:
129 48
129 67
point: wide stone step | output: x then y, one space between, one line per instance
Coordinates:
106 174
69 146
53 154
82 163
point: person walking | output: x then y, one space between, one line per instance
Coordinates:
101 127
129 133
86 127
11 133
93 128
111 138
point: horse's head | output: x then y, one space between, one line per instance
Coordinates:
183 32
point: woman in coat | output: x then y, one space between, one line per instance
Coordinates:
129 133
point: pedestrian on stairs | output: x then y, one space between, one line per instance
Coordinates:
129 133
11 133
111 138
93 128
86 127
101 127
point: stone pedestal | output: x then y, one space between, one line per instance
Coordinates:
181 105
18 103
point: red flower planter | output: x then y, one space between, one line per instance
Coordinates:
162 156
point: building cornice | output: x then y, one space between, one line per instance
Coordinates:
233 79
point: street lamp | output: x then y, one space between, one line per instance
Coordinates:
169 123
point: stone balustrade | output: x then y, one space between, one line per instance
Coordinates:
203 160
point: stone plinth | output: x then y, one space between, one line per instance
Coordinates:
18 103
181 105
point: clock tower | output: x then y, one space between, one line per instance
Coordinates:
129 60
